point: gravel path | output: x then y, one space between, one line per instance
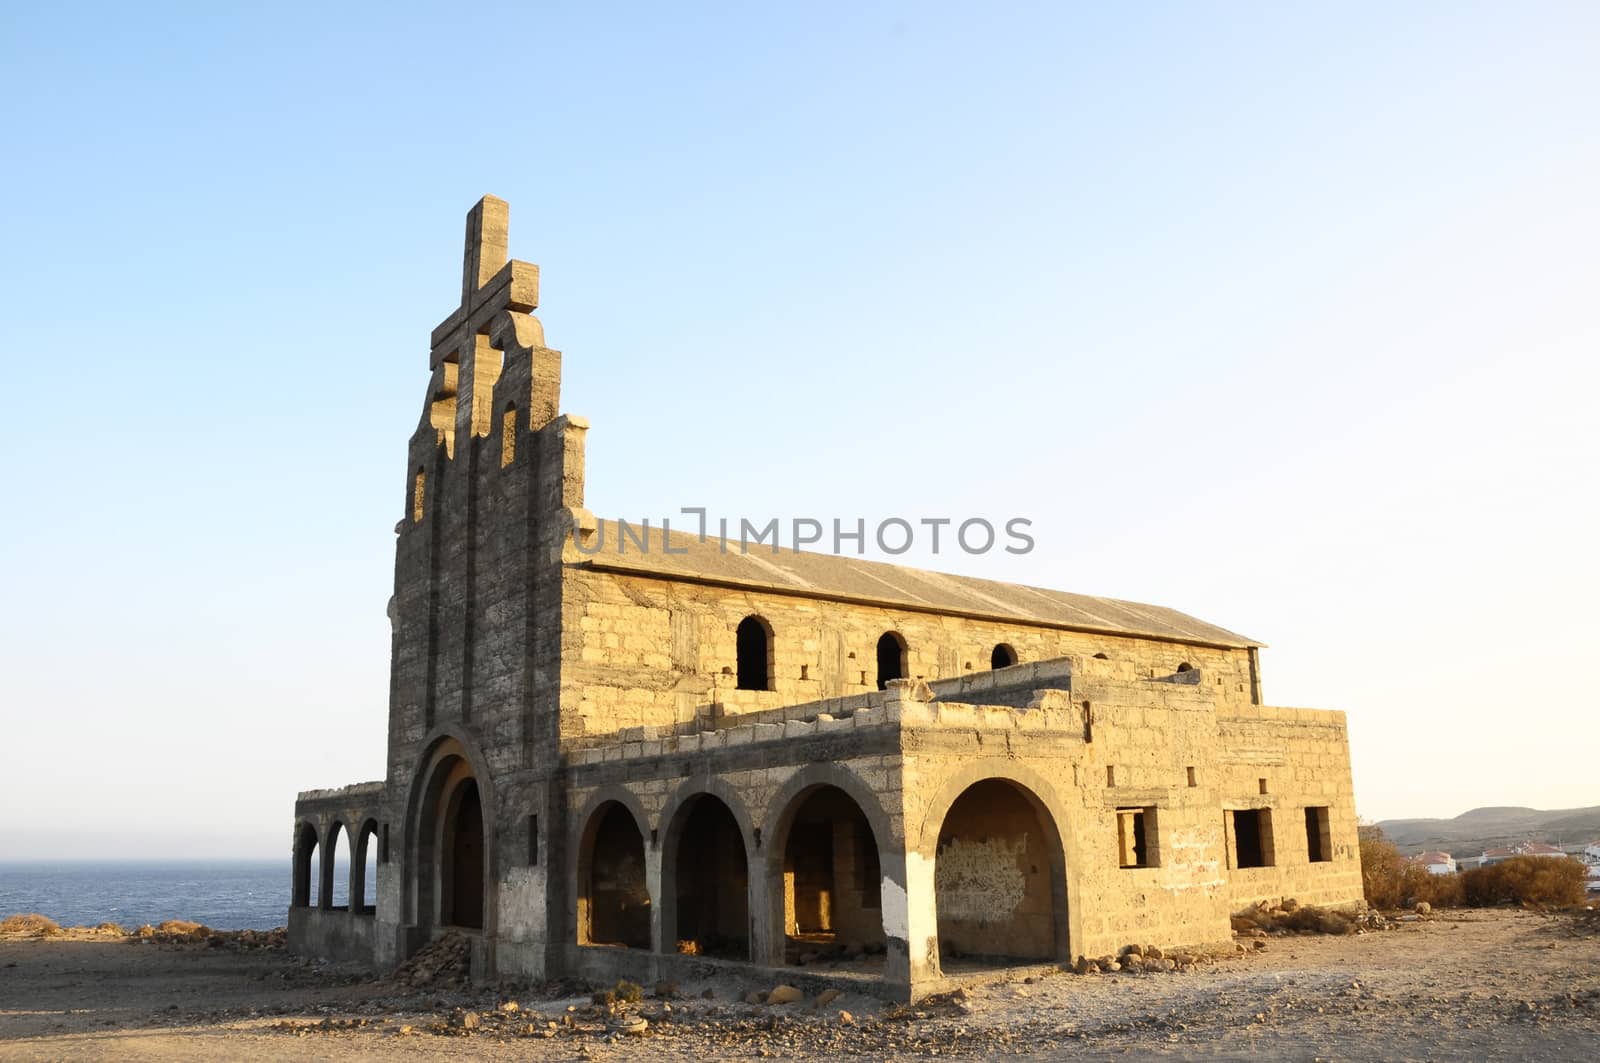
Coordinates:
1469 985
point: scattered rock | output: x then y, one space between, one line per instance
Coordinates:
784 994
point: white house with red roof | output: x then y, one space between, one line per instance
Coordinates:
1436 863
1503 853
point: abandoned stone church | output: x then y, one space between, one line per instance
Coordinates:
607 763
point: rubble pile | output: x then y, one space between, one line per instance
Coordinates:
445 962
1290 917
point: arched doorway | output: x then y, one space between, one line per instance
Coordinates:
832 879
999 879
451 865
708 873
461 899
613 894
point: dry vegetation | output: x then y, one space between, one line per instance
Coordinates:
30 924
1391 881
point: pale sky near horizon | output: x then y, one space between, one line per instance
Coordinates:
1283 318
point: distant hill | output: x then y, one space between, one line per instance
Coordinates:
1481 828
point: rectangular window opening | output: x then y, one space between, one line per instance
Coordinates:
1111 775
508 436
1319 842
1193 781
1252 837
1137 837
533 840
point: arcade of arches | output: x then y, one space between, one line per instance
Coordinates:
1000 880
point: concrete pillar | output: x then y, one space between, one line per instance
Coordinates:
652 883
910 920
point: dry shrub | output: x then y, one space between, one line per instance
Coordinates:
181 926
113 928
1540 880
31 923
1440 891
1389 880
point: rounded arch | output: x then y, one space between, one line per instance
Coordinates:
809 778
1032 782
1184 666
705 874
976 832
1003 655
613 891
305 847
618 794
449 756
828 841
360 848
713 787
753 650
326 875
893 658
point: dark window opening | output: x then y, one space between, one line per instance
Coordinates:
1193 781
1002 657
533 840
1319 843
1261 785
1136 837
1252 837
891 658
1184 666
754 646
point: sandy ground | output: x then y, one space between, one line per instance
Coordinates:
1470 985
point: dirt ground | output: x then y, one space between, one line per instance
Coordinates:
1477 985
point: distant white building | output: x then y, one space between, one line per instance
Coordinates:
1498 855
1436 863
1591 853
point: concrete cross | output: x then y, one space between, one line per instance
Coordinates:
489 283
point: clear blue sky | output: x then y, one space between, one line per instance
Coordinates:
1282 317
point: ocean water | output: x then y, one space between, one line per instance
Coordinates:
226 895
